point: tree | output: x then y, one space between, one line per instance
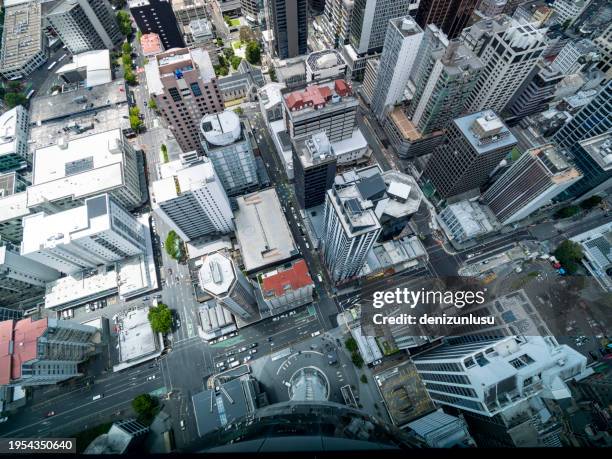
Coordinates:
239 111
164 150
227 20
126 48
173 245
12 99
591 202
253 52
14 86
144 405
219 42
124 22
272 73
138 35
152 104
364 379
351 344
357 359
235 60
126 60
567 212
129 76
569 254
228 52
160 318
246 34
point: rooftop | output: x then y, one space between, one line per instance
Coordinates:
199 27
80 288
14 206
217 274
403 194
262 230
151 44
221 129
9 134
555 162
600 149
407 129
281 281
79 167
314 149
136 338
470 217
22 37
175 62
95 64
325 59
18 344
178 178
485 131
406 26
270 94
318 97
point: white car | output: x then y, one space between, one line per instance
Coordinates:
246 359
4 419
220 364
151 378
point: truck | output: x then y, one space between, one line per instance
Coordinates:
234 364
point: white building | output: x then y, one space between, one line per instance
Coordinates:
23 41
96 233
539 175
21 277
324 65
226 143
351 228
508 51
220 278
67 173
464 220
13 139
569 9
399 52
191 199
93 68
495 375
337 21
575 55
597 251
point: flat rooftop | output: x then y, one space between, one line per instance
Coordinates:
21 37
184 59
262 230
280 282
404 125
217 274
136 338
80 288
96 65
600 149
14 206
79 167
179 178
496 134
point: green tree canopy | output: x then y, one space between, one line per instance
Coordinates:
236 62
272 73
591 202
12 99
144 405
569 254
351 344
126 48
246 34
124 22
160 318
253 52
567 212
152 104
173 245
357 359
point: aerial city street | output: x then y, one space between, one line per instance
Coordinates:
257 226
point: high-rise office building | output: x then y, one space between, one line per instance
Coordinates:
593 119
97 233
157 16
288 20
370 19
400 48
576 55
593 157
531 182
473 146
569 10
442 93
433 39
14 139
22 278
351 228
509 51
184 85
189 10
337 21
251 10
192 200
449 15
498 383
314 165
491 8
85 25
220 278
329 107
44 351
226 142
535 93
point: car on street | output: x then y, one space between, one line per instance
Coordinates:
320 278
182 424
231 359
253 345
220 364
4 419
253 351
151 378
275 318
50 413
269 338
242 349
246 359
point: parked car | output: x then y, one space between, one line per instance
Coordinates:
253 345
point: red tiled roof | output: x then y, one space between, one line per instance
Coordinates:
311 96
24 334
151 44
295 277
342 88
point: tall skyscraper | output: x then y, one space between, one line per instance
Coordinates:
314 165
442 93
22 278
226 142
449 15
531 182
44 351
370 19
337 21
593 157
192 200
400 48
157 16
498 383
220 278
473 146
535 93
593 119
184 85
85 25
99 232
288 20
351 228
14 139
509 51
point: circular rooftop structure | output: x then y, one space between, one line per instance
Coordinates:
216 275
221 128
309 384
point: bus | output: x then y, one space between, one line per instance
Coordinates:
53 64
30 94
